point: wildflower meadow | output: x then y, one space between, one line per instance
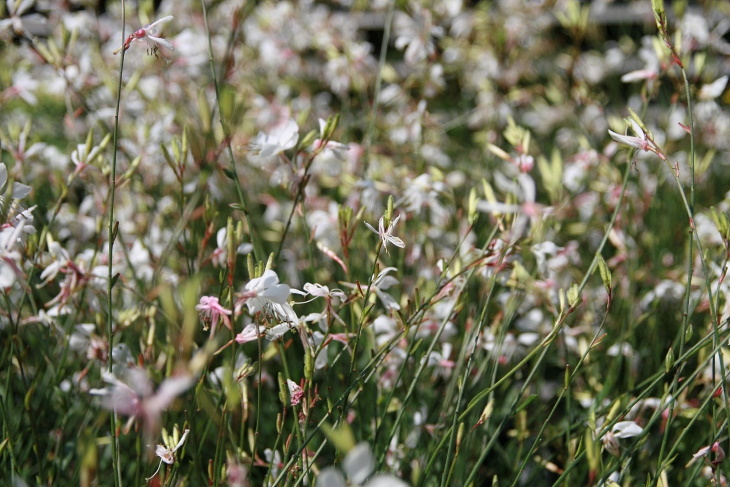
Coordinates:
364 243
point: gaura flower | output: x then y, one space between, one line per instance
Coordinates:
211 312
622 429
166 454
266 295
640 141
284 137
358 466
295 392
149 34
387 235
135 396
248 334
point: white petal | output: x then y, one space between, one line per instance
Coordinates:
329 477
158 22
359 463
714 89
383 480
626 429
159 40
20 190
372 229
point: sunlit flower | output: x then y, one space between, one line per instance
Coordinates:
321 291
212 312
713 90
134 396
266 295
387 235
284 137
337 149
220 254
622 429
383 282
19 22
415 35
705 451
640 141
149 34
248 334
9 256
358 466
166 452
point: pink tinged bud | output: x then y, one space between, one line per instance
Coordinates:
524 162
247 335
295 392
636 142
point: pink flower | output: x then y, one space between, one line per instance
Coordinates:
524 162
247 335
295 392
640 141
212 312
136 398
705 451
148 33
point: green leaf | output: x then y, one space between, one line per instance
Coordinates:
341 436
229 174
114 280
525 403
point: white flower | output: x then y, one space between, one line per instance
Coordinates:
220 254
358 466
714 89
248 334
527 212
266 295
387 235
283 138
18 190
415 35
622 429
423 192
166 454
321 291
382 283
638 142
18 22
9 256
336 149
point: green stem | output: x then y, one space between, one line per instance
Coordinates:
258 249
116 460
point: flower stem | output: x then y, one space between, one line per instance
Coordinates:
116 460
